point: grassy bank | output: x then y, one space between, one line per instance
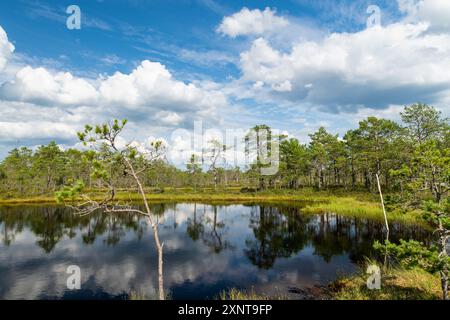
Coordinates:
353 204
396 284
204 195
369 209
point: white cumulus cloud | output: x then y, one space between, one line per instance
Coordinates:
396 64
152 84
170 118
435 12
251 22
6 48
41 86
38 104
10 131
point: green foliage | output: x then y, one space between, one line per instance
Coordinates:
412 254
294 161
327 154
424 122
193 166
438 214
70 193
433 258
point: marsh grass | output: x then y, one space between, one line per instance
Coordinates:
244 295
206 194
136 296
349 206
142 296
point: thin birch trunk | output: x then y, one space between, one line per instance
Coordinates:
382 205
159 245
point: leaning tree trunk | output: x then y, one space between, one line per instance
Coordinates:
385 218
382 205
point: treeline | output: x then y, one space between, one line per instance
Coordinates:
398 153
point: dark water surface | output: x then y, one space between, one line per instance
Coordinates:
207 249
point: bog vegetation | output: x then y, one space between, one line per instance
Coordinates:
411 159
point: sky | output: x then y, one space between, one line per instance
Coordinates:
168 65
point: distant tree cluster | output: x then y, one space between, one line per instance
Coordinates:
408 156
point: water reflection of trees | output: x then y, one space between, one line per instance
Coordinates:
214 233
11 226
207 226
280 232
195 226
51 224
333 235
276 235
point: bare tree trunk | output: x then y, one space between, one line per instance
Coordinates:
382 205
353 176
215 179
159 245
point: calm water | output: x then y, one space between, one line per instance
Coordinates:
271 249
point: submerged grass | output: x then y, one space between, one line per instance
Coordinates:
397 284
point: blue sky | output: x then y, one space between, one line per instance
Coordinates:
295 65
131 31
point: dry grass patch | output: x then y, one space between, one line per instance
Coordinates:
397 284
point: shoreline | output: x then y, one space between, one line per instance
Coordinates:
208 194
351 204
